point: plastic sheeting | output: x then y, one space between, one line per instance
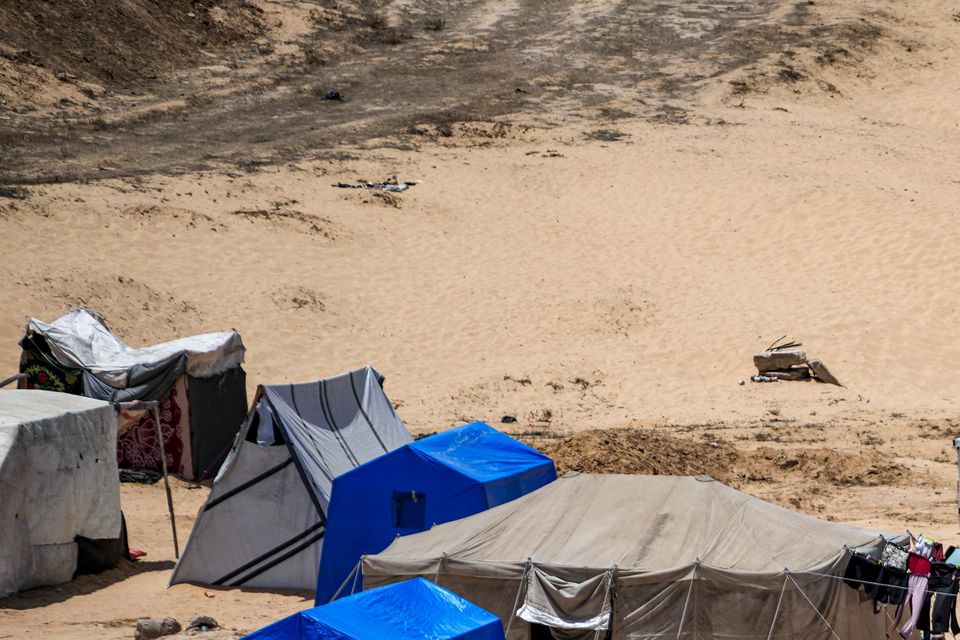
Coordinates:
199 378
691 559
412 610
264 522
437 479
80 338
58 480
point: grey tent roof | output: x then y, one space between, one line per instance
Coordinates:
80 338
263 523
58 480
656 535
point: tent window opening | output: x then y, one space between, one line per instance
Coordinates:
409 510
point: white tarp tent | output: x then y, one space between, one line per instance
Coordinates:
58 480
198 381
80 338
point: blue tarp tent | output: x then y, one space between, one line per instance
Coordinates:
414 609
443 477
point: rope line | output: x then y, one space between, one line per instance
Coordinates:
686 603
803 593
777 610
352 574
606 597
516 601
878 584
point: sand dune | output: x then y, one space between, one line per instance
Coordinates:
578 266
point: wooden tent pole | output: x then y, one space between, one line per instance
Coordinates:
13 378
153 405
166 479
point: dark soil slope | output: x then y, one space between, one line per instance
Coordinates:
121 41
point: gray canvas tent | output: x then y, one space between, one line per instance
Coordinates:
651 556
198 380
264 521
58 480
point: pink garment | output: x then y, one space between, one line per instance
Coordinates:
916 588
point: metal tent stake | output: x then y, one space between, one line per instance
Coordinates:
166 480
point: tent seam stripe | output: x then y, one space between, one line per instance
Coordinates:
328 413
296 461
246 485
252 563
356 396
279 560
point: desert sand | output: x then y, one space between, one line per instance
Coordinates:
605 229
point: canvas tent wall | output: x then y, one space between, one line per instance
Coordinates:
411 610
687 558
263 524
198 380
58 480
437 479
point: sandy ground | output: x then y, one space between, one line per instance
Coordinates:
576 268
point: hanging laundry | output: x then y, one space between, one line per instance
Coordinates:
954 556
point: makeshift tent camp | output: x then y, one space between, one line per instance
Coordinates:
263 523
440 478
58 481
198 381
416 610
686 557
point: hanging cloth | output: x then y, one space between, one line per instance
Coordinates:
572 610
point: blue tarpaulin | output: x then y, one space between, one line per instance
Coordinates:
415 609
443 477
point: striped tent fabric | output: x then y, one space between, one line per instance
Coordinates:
264 521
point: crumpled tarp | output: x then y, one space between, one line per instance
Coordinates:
573 610
58 480
413 610
80 338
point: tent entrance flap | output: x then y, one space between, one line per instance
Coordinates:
577 609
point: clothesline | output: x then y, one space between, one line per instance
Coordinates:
878 584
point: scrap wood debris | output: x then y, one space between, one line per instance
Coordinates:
789 361
390 184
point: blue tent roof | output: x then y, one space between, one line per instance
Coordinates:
414 609
437 479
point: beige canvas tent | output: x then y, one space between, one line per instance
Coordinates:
649 556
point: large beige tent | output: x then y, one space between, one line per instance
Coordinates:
653 556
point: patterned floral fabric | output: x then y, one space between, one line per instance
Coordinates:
43 372
137 445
